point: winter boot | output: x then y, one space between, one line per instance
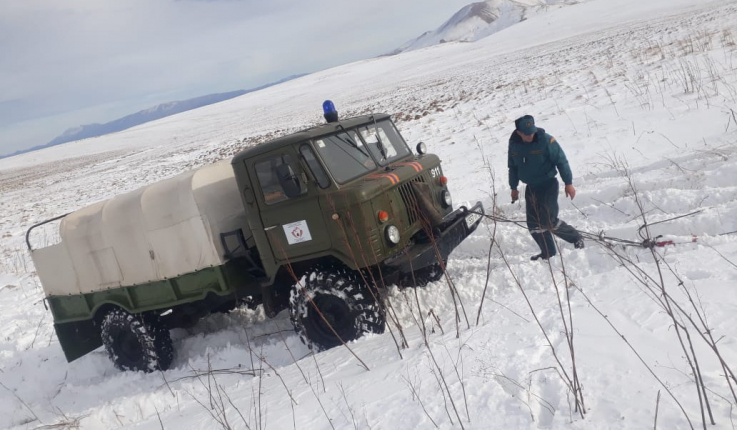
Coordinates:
542 256
546 244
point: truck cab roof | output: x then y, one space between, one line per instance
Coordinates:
307 134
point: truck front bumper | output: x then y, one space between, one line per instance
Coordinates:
425 249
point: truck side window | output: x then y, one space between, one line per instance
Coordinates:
317 171
270 186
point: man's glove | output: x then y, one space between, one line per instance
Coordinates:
515 195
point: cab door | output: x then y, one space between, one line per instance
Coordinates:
293 221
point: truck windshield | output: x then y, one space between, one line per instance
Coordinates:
384 142
345 156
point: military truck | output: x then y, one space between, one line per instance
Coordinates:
319 222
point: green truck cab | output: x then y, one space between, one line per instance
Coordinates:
319 222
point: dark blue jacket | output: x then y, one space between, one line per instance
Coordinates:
535 162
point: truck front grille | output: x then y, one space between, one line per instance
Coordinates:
409 198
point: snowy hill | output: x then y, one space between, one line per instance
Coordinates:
141 117
478 20
159 111
640 96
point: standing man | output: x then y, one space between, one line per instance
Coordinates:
535 158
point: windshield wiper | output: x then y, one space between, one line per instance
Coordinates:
379 143
350 141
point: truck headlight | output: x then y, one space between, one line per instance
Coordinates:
392 234
446 199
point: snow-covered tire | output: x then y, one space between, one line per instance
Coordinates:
135 342
343 299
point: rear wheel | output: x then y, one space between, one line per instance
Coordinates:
135 342
334 302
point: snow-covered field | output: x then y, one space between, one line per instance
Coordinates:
641 93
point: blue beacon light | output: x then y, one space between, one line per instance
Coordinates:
330 113
328 107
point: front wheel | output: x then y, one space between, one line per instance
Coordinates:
134 342
334 306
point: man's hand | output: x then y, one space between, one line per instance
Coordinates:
570 191
515 195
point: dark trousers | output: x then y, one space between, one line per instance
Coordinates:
541 202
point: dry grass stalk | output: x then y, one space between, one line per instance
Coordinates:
566 378
690 359
415 390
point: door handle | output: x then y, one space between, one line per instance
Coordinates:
270 228
248 195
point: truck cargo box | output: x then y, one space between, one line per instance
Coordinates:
158 232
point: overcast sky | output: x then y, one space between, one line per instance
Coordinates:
65 63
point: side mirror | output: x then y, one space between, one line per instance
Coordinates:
421 148
289 181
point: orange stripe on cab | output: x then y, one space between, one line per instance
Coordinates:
415 165
394 179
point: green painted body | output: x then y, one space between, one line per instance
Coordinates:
75 315
348 228
344 215
340 218
220 280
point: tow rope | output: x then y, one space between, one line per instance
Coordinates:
647 243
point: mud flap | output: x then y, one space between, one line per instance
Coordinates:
78 338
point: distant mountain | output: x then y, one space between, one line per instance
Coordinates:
478 20
151 114
146 115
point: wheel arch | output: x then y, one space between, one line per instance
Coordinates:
275 295
99 312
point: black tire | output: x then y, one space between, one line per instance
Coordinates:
134 342
341 296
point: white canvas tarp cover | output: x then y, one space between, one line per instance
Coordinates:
157 232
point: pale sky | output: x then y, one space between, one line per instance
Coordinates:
65 63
